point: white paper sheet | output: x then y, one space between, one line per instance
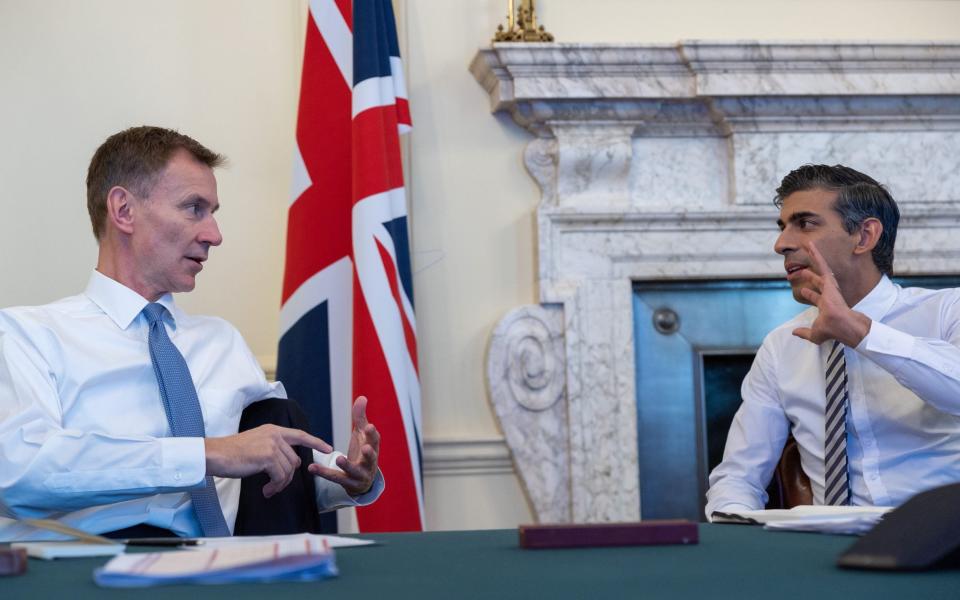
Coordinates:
854 520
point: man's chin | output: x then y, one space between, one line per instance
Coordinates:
798 296
185 285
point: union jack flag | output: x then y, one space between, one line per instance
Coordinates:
347 321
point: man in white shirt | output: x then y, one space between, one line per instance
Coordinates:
900 347
84 431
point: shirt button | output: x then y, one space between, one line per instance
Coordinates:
177 475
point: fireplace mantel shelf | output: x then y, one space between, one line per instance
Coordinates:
659 162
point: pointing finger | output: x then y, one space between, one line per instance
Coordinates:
302 438
819 264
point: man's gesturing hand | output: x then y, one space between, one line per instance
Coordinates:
836 320
359 466
265 449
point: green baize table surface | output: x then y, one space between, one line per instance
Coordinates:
731 561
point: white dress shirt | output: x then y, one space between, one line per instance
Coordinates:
903 423
83 433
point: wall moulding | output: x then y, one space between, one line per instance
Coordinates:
659 162
466 457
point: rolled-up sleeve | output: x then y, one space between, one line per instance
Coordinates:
47 468
930 368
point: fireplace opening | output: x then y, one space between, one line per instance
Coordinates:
721 375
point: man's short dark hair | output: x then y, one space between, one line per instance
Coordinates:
859 197
134 159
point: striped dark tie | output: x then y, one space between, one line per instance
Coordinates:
836 484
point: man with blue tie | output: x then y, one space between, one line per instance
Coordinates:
867 380
120 411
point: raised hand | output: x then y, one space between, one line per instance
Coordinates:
359 467
265 449
836 320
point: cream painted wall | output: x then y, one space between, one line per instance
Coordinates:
668 21
227 72
73 73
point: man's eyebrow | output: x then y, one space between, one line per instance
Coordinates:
793 218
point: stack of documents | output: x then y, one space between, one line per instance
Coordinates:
850 520
298 558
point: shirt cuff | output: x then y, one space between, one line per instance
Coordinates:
331 496
730 508
184 461
884 339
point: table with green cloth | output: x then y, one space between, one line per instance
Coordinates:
731 561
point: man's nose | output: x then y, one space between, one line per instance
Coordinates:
210 234
783 245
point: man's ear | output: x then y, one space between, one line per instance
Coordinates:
120 209
870 231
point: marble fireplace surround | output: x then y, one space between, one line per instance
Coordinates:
659 162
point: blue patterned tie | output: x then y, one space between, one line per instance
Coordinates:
183 413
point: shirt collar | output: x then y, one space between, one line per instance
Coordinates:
878 302
119 302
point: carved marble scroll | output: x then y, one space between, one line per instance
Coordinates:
525 374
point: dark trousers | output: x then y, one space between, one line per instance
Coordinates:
294 509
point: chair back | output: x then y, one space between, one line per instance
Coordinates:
793 483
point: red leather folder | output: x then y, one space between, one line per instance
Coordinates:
646 533
13 561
